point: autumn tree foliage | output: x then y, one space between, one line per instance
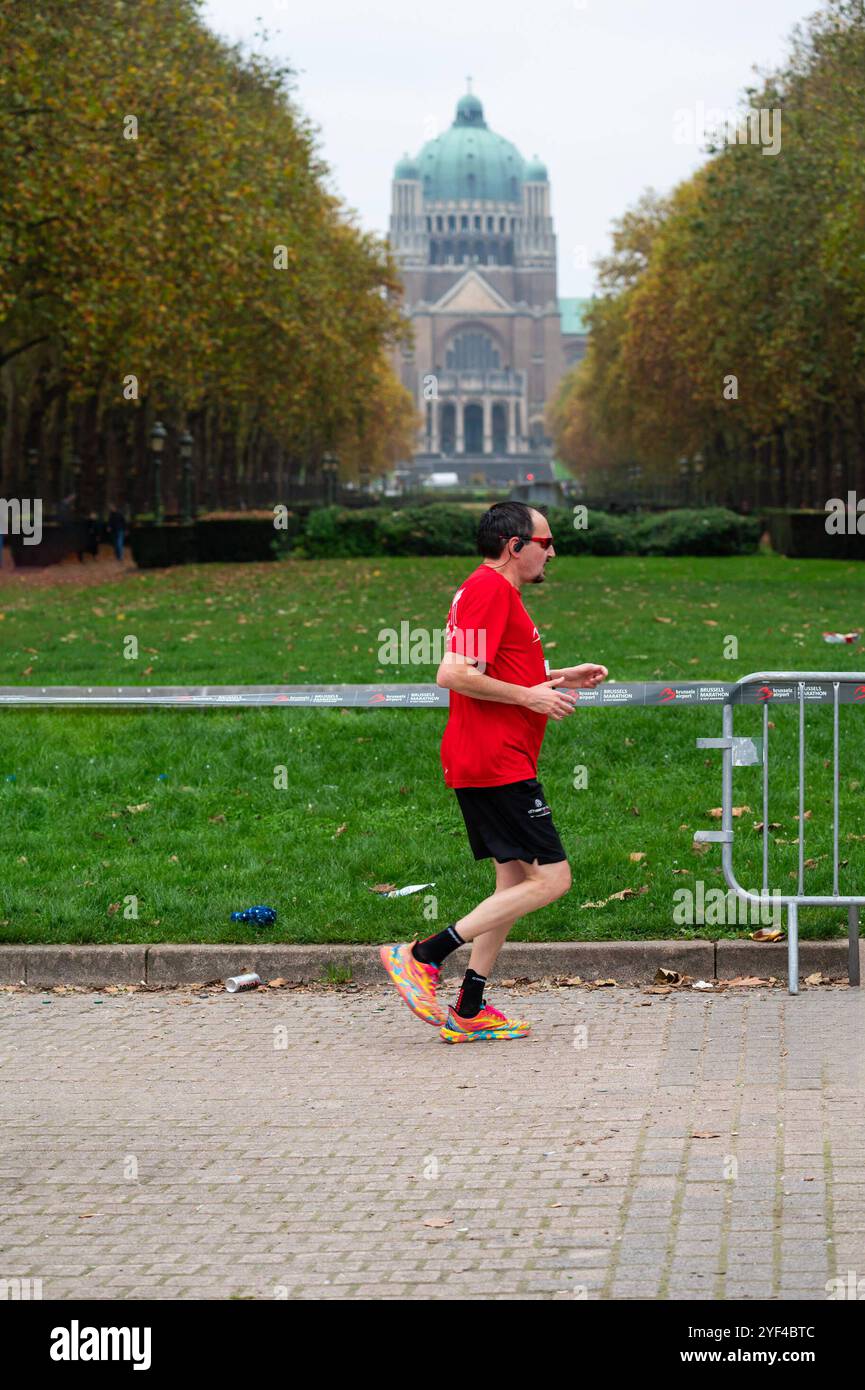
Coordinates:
169 249
728 337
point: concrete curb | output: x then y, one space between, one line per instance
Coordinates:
628 962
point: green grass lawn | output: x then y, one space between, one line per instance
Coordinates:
366 801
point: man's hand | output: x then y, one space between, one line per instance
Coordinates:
547 699
584 677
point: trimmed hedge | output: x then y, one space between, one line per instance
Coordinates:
603 534
802 535
714 531
156 547
440 528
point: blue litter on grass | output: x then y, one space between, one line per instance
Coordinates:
259 916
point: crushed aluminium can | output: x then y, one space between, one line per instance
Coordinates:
235 983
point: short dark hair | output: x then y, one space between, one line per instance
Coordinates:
503 520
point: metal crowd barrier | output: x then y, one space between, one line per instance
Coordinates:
785 687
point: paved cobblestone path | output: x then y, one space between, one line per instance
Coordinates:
294 1144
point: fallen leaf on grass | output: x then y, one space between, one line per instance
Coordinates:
623 893
133 810
216 819
659 619
636 855
768 934
382 887
773 825
339 830
718 811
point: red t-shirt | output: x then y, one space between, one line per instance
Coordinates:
486 743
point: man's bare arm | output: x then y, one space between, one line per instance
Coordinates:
462 675
458 673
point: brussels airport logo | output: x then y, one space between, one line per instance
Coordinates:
717 907
845 518
716 125
21 517
420 646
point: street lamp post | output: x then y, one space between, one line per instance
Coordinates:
186 442
157 444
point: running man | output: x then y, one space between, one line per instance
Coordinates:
501 698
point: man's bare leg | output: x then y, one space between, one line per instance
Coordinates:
486 947
541 884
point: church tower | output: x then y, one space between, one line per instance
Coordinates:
471 228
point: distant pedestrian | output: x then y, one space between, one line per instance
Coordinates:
117 528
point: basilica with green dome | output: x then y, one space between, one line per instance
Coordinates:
472 232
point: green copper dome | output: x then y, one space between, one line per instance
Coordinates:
406 168
470 162
535 171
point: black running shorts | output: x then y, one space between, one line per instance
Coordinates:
510 822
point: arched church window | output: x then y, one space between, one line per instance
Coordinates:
472 351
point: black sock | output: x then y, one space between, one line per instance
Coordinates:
471 995
437 948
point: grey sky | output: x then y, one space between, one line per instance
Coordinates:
591 86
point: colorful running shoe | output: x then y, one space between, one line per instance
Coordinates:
415 982
488 1025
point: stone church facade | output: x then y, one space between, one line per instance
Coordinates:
472 231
